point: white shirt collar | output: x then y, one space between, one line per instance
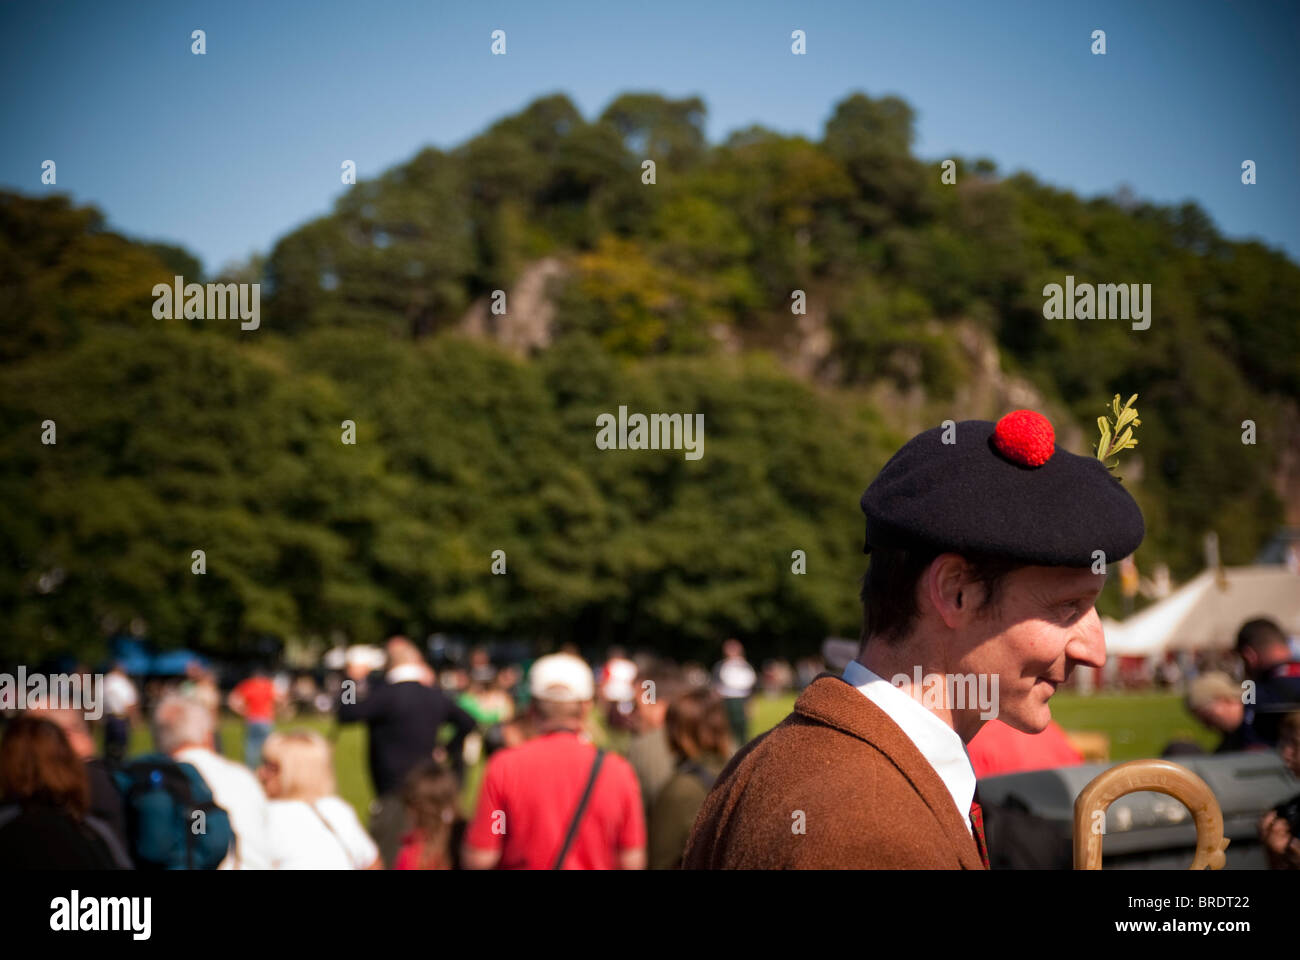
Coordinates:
938 742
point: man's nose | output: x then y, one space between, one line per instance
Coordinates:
1088 645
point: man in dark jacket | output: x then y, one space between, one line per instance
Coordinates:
405 712
1264 651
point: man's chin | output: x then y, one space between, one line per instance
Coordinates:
1029 721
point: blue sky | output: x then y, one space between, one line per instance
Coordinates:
226 152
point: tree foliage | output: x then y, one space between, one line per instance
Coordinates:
180 435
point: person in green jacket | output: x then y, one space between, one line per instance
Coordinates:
700 736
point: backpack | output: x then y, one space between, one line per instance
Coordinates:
159 798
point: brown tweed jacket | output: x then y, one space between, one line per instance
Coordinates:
839 769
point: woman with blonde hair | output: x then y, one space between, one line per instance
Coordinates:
310 827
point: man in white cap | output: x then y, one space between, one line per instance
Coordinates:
556 801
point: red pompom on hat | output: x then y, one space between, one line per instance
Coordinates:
1025 437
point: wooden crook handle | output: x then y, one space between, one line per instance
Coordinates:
1160 776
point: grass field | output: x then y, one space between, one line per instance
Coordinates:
1138 725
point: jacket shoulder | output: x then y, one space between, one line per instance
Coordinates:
813 793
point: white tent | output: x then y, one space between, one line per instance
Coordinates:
1206 612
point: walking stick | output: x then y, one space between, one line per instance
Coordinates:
1160 776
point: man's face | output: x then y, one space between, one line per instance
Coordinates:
1044 623
1289 749
269 775
1259 661
1222 714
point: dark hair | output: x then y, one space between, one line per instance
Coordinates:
430 794
889 586
38 766
669 682
1259 635
697 724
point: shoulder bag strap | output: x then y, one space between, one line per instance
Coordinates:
105 834
330 827
582 806
189 806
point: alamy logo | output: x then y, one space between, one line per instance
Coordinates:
57 691
952 691
659 431
218 301
73 913
1108 301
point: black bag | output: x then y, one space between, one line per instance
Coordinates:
582 806
1020 840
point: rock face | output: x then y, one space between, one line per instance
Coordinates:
526 324
991 392
809 352
987 392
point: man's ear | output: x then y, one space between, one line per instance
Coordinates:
950 591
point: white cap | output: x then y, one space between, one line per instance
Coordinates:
367 656
561 678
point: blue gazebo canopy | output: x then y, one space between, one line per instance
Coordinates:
138 660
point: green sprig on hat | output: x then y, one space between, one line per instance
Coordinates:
1119 436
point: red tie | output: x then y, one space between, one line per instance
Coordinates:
977 827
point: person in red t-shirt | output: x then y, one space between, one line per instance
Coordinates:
255 699
999 748
531 792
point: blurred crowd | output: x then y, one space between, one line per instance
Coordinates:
577 768
580 768
1245 695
